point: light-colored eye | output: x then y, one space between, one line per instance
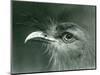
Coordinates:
68 37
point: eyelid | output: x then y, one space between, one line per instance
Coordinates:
74 36
66 40
61 36
64 33
78 34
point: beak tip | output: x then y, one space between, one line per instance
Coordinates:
25 41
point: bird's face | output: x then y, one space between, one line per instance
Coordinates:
65 42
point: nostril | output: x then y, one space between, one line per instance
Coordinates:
45 35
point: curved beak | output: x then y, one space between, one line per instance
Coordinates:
40 35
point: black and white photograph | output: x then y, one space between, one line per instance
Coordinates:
52 37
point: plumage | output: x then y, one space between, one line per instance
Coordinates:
67 44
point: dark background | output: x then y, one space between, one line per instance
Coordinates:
30 16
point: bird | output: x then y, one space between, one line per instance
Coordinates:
67 44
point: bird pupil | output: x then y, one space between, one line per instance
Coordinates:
69 35
45 35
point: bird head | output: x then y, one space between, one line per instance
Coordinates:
66 44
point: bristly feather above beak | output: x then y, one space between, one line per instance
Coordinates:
39 34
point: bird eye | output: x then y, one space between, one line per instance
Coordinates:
68 37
